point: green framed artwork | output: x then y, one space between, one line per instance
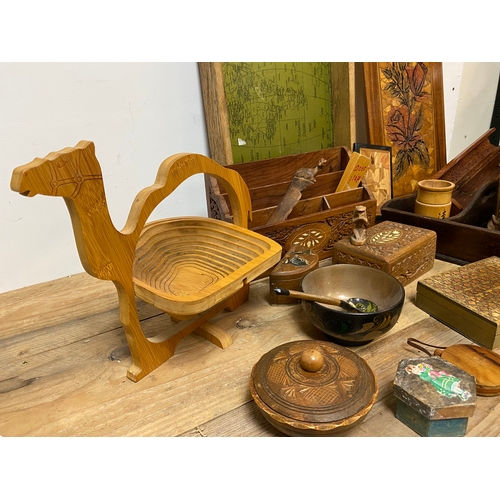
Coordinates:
261 110
405 110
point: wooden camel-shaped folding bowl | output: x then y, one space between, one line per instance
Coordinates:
189 267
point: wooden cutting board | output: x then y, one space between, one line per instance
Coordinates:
482 363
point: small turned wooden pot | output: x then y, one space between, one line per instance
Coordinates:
313 388
436 211
434 198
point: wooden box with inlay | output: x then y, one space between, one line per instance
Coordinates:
289 272
466 299
313 388
403 251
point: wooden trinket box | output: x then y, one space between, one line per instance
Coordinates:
434 397
313 388
403 251
466 299
289 272
463 237
321 216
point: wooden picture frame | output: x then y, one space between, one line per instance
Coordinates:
378 177
222 120
405 110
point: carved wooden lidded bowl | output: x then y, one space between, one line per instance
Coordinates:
313 388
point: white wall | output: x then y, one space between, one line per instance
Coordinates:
471 89
452 77
137 114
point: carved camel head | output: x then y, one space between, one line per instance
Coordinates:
58 174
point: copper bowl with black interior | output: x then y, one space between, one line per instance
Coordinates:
345 281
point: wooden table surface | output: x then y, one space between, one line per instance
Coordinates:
63 363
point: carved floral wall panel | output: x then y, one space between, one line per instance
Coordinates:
405 110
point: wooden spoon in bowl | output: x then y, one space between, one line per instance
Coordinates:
352 305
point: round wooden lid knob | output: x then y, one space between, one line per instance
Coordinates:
311 360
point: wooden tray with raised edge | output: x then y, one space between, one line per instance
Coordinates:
463 236
182 265
313 388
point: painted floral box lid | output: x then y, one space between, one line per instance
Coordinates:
435 388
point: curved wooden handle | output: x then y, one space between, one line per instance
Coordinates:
174 171
418 345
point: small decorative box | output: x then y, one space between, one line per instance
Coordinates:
434 397
313 388
296 263
403 251
466 299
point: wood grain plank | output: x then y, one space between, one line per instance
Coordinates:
47 304
75 389
244 421
343 104
47 316
74 383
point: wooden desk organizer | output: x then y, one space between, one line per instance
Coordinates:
319 219
189 267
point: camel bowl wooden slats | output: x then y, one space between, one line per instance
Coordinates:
188 262
189 267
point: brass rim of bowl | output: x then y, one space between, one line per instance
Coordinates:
341 311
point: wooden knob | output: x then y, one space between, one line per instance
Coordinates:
311 360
